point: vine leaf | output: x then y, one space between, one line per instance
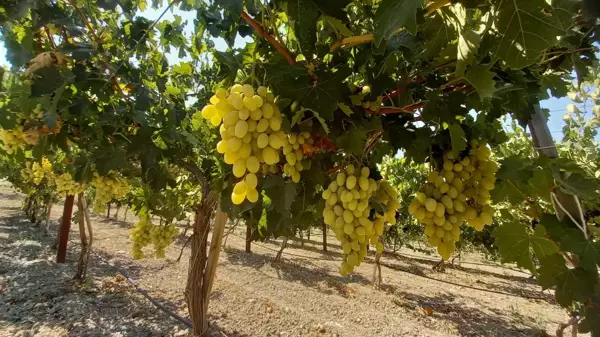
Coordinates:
572 240
281 193
468 39
516 244
457 138
483 81
393 15
304 16
577 184
540 184
570 284
334 8
320 95
354 141
527 29
555 83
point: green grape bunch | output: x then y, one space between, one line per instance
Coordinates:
252 141
108 188
65 185
145 233
162 237
348 212
387 196
141 236
458 192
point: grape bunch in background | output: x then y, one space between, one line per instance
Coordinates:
456 193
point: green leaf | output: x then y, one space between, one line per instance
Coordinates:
576 183
281 193
587 250
527 28
570 284
45 81
505 191
483 80
183 68
468 44
346 109
555 83
234 6
393 15
337 25
304 16
458 138
321 96
468 39
334 8
540 184
353 140
591 319
518 245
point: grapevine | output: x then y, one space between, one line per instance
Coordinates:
458 191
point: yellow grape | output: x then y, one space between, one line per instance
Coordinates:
458 192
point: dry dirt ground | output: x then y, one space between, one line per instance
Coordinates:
302 295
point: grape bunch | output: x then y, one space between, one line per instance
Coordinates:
141 236
348 211
65 185
162 237
36 172
387 196
457 192
108 188
251 137
12 139
293 150
145 232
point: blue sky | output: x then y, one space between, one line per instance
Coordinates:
556 106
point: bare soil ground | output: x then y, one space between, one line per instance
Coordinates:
302 295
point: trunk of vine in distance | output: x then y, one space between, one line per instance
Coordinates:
202 265
81 265
248 237
65 226
324 229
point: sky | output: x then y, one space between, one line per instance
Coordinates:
557 107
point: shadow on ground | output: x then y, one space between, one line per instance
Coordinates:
308 274
468 321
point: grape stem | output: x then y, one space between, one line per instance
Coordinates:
260 30
393 110
355 40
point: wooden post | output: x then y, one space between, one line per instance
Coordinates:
48 214
248 237
108 210
324 229
65 226
544 144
